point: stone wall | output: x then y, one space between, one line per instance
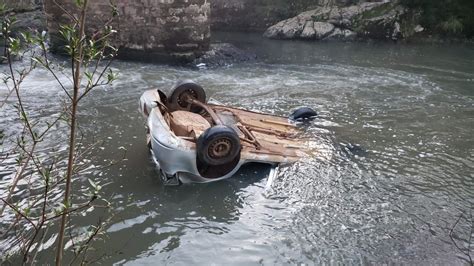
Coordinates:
22 4
257 15
154 30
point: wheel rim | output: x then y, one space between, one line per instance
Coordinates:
220 148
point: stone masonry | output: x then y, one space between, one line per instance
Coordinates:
21 4
152 30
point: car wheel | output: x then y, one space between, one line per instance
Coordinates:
218 145
303 113
176 100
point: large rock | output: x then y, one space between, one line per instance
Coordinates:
317 30
383 24
258 15
368 20
223 54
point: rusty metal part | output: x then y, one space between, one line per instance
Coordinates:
267 131
184 99
208 109
276 122
269 153
220 148
250 142
164 109
251 138
193 139
189 124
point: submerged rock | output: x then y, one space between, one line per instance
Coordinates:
223 54
369 20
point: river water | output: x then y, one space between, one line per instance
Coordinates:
408 109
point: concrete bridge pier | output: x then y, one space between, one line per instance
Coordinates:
150 30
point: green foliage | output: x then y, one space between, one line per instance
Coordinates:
15 46
378 11
446 16
90 56
452 25
79 3
7 23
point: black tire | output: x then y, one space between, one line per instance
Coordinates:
218 145
303 113
175 99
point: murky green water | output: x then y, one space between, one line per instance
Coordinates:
411 108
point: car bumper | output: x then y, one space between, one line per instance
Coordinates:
175 158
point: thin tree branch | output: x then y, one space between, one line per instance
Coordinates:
19 212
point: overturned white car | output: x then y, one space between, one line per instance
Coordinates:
193 141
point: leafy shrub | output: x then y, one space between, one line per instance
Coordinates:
445 16
451 25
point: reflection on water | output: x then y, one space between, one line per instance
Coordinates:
393 171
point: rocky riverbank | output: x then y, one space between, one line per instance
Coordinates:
314 20
258 15
384 20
